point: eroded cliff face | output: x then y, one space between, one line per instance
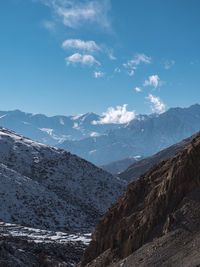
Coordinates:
146 210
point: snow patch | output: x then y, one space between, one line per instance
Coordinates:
76 126
92 151
1 117
94 134
47 130
76 117
61 121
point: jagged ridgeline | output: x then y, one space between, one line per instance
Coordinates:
156 221
102 144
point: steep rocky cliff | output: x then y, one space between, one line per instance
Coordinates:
156 221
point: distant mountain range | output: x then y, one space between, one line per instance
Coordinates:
49 188
103 144
53 130
143 136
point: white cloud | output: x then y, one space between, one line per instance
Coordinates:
110 55
90 46
83 59
157 105
138 90
168 64
75 13
137 60
118 115
117 70
109 52
131 72
98 74
49 25
153 80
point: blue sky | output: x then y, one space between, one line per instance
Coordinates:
70 56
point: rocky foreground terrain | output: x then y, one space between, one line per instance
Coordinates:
156 222
24 246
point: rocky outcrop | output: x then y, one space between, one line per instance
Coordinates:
163 203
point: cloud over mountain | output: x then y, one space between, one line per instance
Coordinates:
119 115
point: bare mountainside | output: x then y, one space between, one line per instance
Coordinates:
49 188
156 221
140 167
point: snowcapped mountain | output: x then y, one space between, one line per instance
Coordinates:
106 143
49 188
143 136
53 130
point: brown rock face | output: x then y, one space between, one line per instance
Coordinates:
147 210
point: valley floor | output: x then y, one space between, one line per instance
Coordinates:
24 246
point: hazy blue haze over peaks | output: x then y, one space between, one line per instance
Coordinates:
149 45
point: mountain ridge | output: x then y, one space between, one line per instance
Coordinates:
143 137
102 144
34 175
52 130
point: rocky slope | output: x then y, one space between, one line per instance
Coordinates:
143 136
138 168
156 221
49 188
